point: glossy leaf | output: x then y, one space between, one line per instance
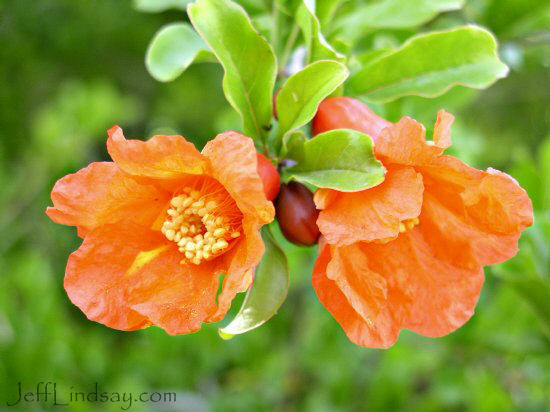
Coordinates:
302 93
247 58
174 48
293 146
155 6
267 293
317 46
392 14
430 64
340 159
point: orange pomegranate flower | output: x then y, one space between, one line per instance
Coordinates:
409 253
161 224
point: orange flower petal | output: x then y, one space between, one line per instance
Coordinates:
96 277
435 297
455 239
163 157
323 198
370 214
177 298
365 290
380 331
128 277
239 264
442 129
482 213
426 295
233 162
101 193
405 142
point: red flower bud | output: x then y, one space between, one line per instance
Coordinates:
297 214
270 177
347 113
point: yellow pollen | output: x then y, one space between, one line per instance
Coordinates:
408 224
220 232
194 223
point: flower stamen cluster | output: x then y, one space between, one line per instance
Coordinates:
201 224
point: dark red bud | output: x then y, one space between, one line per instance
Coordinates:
297 214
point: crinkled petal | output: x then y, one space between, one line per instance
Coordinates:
239 265
100 194
453 238
481 214
128 277
432 296
96 278
370 214
233 161
365 290
376 329
405 143
442 129
424 294
161 157
177 298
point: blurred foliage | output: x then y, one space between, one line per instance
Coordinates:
73 68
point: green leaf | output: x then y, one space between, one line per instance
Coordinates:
293 146
392 14
300 96
267 293
174 48
318 48
254 7
155 6
247 58
339 159
430 64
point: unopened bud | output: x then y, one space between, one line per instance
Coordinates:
270 177
297 214
347 113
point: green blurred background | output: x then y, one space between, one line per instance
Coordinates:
70 69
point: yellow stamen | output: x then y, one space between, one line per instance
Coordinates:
201 223
219 232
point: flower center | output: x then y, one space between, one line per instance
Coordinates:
203 222
408 224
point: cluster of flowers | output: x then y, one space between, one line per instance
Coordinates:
163 222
